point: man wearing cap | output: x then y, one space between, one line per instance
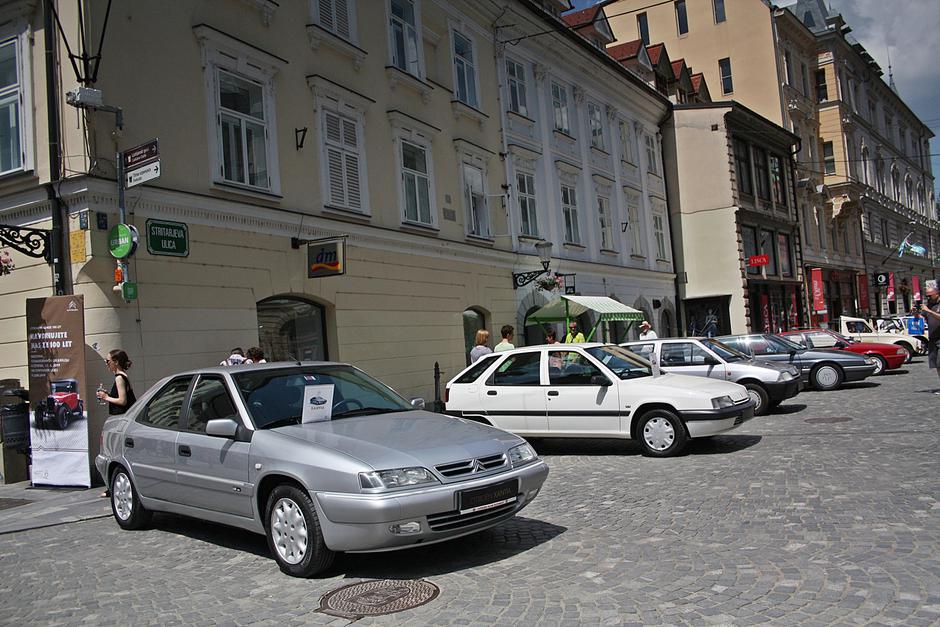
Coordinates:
647 332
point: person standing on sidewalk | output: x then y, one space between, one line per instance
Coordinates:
930 311
647 332
121 397
481 347
507 332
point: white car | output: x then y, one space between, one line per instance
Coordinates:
595 390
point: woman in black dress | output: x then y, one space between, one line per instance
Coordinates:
121 397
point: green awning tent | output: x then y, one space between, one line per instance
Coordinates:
564 308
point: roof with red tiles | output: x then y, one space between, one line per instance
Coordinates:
628 50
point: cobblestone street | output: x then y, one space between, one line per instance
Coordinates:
825 512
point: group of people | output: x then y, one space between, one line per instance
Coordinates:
574 336
237 357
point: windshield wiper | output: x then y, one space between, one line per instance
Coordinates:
366 411
290 420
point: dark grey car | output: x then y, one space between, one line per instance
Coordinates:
823 369
228 445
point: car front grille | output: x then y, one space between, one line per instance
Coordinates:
449 521
469 466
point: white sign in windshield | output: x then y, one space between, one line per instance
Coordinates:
318 403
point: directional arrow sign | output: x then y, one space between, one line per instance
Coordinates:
143 174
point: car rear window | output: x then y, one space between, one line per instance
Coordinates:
473 373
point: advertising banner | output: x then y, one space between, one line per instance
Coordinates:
55 330
765 313
890 291
819 301
794 319
915 282
863 301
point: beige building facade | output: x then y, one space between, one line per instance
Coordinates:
394 126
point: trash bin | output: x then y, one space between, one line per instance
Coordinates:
14 435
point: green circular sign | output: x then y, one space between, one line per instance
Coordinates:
122 240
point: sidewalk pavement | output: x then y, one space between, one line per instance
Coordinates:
25 507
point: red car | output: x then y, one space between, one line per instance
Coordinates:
889 356
61 407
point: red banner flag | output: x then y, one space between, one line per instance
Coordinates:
819 301
863 303
916 283
890 294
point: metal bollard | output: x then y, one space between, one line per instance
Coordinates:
438 404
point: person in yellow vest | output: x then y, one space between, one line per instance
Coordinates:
574 336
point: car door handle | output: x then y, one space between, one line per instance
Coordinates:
491 393
553 392
129 442
185 451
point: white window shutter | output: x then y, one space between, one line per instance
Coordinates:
333 125
342 18
334 159
326 13
353 194
349 134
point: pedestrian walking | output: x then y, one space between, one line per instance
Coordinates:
236 357
121 397
647 332
507 333
481 345
930 311
255 356
574 336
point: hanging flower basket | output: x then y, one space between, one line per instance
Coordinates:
550 283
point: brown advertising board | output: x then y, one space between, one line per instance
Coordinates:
58 399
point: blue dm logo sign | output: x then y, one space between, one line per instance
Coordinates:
326 259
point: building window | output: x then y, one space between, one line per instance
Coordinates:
909 189
465 73
724 70
778 181
560 107
517 88
788 66
885 234
335 16
636 229
742 163
243 131
895 184
760 171
768 245
880 174
652 154
822 90
749 240
525 191
474 197
596 118
804 78
343 154
829 158
626 142
606 224
643 28
659 233
783 255
403 25
416 180
719 8
11 124
682 18
291 329
866 164
569 210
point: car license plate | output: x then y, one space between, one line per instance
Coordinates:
480 499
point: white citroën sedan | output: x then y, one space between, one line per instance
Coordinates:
595 390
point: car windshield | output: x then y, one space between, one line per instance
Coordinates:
724 351
275 398
622 362
781 344
64 386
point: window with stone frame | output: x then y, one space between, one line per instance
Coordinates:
634 225
525 194
560 108
596 120
516 78
336 16
474 192
12 95
405 36
778 180
606 223
761 173
569 210
465 71
344 158
742 163
416 183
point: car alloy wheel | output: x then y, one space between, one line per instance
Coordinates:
293 532
289 531
661 433
908 352
126 507
827 377
759 395
880 364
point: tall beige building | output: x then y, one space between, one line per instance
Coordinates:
804 74
439 140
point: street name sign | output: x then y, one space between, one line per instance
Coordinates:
167 238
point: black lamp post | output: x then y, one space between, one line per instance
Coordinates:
544 250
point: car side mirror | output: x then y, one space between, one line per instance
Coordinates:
222 427
600 380
417 403
841 344
711 361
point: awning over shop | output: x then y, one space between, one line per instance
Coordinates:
564 308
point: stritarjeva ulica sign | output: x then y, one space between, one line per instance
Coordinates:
167 238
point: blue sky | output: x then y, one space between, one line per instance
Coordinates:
908 31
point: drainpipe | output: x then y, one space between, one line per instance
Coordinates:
58 250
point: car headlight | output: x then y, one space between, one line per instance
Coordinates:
785 376
396 478
722 401
522 454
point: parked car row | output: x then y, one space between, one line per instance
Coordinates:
321 458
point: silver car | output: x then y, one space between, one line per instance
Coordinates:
768 384
233 445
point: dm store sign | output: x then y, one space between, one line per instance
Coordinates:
326 259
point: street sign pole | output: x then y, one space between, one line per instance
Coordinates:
122 212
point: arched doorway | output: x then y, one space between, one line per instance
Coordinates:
291 329
666 324
474 319
535 333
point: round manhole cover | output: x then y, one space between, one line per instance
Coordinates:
827 420
378 597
